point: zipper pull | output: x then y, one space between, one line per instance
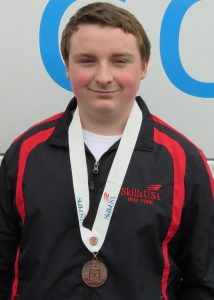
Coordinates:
96 165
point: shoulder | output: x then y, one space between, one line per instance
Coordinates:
38 131
185 152
172 135
38 127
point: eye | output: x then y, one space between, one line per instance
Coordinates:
85 61
120 61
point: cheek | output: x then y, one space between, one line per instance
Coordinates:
131 80
131 76
79 78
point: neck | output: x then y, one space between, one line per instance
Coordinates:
104 125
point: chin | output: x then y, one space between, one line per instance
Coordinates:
104 108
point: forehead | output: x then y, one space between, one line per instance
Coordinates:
102 38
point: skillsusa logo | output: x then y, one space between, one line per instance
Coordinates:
106 196
147 196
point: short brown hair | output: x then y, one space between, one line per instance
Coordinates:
106 14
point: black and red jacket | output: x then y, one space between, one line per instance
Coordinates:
160 242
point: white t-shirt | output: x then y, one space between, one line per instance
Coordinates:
99 144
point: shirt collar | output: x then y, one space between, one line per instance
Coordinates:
144 141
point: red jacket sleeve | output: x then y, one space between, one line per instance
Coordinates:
196 248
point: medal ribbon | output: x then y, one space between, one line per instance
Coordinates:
114 180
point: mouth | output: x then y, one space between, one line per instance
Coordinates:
104 92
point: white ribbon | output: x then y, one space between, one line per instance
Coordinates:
114 180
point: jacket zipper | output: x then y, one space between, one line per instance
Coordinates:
92 180
96 169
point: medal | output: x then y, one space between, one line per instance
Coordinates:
94 272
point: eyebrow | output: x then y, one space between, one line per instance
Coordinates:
126 54
115 55
82 55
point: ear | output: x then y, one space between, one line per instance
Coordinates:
144 69
67 73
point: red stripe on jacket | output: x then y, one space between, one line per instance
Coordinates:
156 119
179 165
15 282
26 148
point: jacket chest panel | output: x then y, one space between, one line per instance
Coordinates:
48 189
146 194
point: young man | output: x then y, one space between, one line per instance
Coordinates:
105 201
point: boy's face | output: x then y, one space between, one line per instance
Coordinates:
105 69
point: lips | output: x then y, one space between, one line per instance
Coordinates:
103 92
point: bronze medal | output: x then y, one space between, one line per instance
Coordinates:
94 273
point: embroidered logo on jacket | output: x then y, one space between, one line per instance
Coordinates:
146 196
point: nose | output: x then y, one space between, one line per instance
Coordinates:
104 74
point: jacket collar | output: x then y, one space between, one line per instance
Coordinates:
144 141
